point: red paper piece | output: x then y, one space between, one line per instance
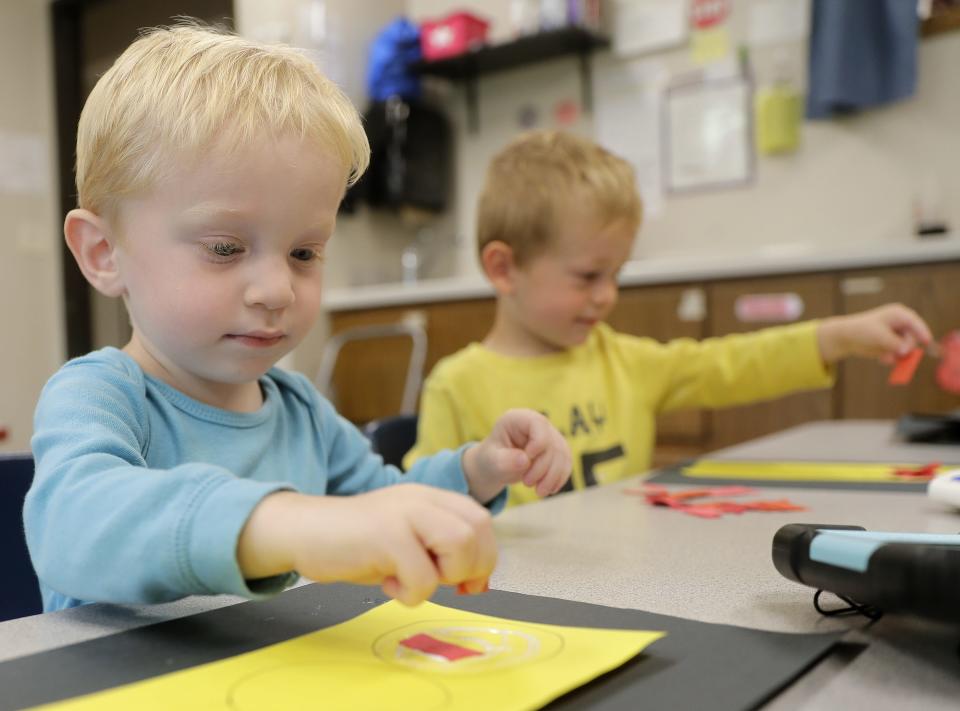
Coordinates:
927 471
659 496
437 647
905 367
948 372
462 588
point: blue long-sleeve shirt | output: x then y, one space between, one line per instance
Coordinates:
140 492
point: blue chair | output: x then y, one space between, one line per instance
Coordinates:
20 590
392 437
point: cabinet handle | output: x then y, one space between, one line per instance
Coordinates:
859 286
692 307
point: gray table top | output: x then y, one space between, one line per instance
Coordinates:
607 547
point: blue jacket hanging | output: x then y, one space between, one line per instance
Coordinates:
863 53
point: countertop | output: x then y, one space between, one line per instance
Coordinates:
768 260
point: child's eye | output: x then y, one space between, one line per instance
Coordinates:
225 249
305 254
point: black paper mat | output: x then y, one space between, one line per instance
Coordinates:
697 665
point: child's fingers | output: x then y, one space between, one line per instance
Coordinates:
462 547
538 469
415 577
546 484
908 322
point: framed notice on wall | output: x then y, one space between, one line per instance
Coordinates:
707 135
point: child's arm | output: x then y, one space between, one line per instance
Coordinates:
103 526
887 333
409 539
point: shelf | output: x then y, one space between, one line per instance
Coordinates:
527 50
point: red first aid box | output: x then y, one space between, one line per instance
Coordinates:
453 35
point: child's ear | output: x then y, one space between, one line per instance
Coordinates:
499 265
90 242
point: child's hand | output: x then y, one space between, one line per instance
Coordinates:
523 446
886 333
409 538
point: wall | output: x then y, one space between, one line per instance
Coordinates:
852 181
31 317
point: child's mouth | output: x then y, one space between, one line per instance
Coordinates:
255 340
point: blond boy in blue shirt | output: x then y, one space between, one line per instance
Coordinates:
556 222
209 173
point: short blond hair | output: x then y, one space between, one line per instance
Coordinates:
539 174
177 91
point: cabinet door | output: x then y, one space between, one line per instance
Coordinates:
454 325
934 292
734 310
665 313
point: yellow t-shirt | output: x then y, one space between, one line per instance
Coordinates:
604 394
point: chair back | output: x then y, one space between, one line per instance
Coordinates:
410 328
20 590
392 437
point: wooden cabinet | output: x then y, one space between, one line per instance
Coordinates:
931 290
816 294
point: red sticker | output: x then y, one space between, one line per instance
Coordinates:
905 367
437 647
708 13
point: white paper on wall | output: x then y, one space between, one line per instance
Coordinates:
648 25
627 103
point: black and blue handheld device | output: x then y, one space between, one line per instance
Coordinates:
915 573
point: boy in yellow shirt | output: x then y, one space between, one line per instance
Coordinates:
556 222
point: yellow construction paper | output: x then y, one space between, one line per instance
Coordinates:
800 471
359 664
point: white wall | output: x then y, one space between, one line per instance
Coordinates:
853 180
32 341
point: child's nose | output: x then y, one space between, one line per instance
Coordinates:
270 286
605 292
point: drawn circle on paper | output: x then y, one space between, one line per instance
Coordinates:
501 645
336 685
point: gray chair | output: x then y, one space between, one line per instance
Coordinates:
20 590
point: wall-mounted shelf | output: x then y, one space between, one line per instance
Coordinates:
511 55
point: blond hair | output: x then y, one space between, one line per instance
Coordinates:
534 178
179 90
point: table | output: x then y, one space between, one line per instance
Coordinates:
602 546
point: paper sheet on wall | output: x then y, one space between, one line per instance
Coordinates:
708 134
628 98
427 657
648 25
